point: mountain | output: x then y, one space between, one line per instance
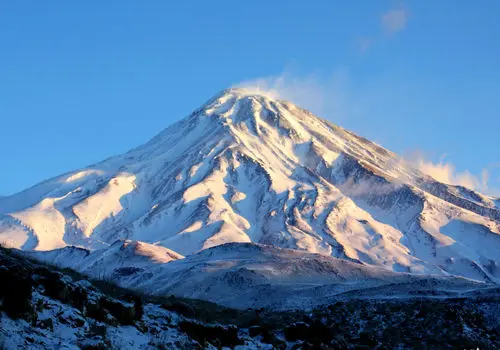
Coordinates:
245 168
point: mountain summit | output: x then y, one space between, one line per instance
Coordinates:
248 168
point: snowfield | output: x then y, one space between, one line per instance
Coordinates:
247 169
246 275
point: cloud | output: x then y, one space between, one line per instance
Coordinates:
394 20
325 96
446 172
363 44
367 187
391 22
304 91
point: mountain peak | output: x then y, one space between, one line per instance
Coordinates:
248 91
243 96
240 104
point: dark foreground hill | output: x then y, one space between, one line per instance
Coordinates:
43 307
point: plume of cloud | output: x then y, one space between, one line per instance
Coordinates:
364 44
305 91
324 97
446 172
391 22
368 187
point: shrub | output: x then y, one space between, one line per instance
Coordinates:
96 312
298 331
138 307
316 333
54 287
366 341
78 297
267 336
124 314
180 308
16 291
216 335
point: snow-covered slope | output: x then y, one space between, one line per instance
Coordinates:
246 275
42 307
120 256
246 168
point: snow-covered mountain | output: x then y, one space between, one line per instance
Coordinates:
246 168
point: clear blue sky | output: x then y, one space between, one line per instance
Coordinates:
84 80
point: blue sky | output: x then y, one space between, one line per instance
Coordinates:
84 80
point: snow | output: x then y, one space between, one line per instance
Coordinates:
105 204
106 261
244 275
82 174
496 202
59 325
47 223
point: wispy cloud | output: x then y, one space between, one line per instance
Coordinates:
302 90
365 187
363 44
394 20
446 172
324 96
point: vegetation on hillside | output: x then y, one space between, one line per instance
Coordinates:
27 286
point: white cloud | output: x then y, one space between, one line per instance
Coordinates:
394 20
446 172
391 22
369 187
304 91
325 97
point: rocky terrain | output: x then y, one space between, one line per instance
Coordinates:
47 308
243 275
